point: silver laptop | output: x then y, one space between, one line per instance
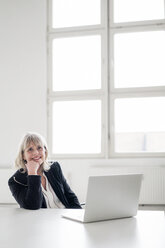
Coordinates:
109 197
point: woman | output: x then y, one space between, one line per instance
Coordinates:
36 184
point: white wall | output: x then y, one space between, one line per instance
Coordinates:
23 105
22 79
22 73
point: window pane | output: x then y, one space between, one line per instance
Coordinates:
77 126
70 13
139 59
138 10
140 124
77 63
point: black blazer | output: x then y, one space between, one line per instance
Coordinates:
27 190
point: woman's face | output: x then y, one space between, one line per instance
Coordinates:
34 153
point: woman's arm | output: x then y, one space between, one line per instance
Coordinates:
28 196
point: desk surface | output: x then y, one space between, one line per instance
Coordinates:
20 228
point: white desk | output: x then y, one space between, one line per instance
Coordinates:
44 228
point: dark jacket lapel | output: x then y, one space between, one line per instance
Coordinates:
57 187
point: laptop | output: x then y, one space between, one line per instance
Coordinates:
109 197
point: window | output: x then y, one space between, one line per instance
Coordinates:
139 59
138 10
139 124
106 80
80 59
82 134
73 13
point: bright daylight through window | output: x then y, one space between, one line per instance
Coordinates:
106 80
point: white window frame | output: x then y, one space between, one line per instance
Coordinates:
135 92
108 93
96 94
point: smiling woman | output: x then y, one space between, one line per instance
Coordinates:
36 184
33 149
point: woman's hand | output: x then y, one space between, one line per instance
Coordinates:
32 167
